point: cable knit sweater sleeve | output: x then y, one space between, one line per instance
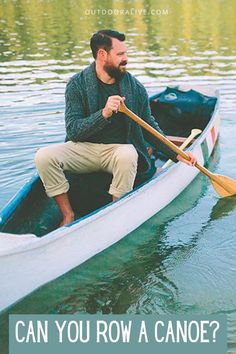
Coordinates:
79 125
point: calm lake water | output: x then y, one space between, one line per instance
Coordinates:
182 261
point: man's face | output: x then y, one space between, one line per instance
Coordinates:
116 59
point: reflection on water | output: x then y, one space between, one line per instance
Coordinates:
183 259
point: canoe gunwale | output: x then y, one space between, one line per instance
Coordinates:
15 201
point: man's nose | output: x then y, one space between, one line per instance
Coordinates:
125 57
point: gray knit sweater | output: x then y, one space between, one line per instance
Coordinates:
83 116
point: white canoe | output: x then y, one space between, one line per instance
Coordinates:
28 261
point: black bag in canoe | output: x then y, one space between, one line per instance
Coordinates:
178 112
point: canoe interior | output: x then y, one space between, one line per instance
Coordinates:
176 112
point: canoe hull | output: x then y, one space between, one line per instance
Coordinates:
34 261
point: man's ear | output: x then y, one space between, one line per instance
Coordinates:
101 54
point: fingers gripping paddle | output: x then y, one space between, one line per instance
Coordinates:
194 133
223 185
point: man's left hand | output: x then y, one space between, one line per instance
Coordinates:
191 162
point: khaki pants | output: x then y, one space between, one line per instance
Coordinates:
118 159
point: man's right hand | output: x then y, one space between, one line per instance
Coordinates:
112 106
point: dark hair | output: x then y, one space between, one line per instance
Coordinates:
103 39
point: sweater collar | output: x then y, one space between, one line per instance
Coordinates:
92 88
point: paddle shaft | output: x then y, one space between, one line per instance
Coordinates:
166 141
225 186
153 131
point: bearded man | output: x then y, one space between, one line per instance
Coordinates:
99 138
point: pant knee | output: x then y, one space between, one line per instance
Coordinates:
127 157
43 158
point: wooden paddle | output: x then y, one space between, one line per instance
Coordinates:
223 185
187 141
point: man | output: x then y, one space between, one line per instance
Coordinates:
99 138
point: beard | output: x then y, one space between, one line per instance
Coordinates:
115 72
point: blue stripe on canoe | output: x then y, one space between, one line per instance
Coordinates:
17 199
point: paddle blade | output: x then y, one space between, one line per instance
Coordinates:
224 186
